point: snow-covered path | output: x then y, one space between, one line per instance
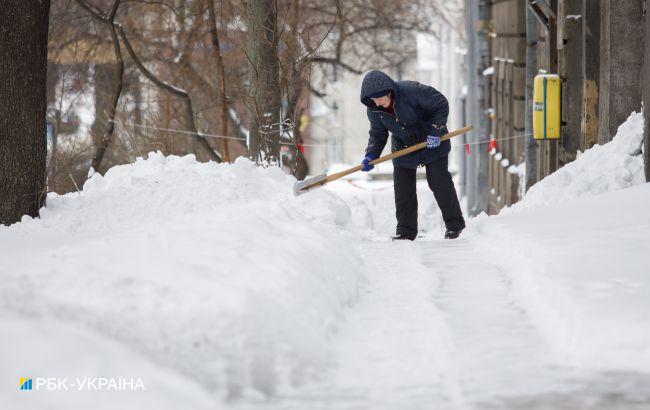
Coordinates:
326 312
394 352
437 328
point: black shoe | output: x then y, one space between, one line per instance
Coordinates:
452 234
402 237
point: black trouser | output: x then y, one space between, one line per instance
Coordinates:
406 200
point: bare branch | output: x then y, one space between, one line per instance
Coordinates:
108 135
335 61
189 113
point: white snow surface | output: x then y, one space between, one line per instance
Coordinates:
580 269
578 248
215 271
221 289
602 168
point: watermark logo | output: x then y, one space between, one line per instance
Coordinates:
82 383
25 383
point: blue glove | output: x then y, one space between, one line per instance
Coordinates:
366 162
433 141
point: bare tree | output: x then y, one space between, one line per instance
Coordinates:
179 92
221 70
213 51
23 46
263 80
100 148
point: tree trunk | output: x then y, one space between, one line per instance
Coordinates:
263 87
301 168
645 81
23 144
223 98
108 88
118 83
296 83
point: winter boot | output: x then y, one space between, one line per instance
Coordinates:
402 237
452 234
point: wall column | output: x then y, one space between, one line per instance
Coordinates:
570 69
621 61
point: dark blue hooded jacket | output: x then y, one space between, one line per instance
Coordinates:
418 108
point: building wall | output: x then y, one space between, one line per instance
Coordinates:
507 102
596 46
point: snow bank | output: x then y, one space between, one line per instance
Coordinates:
581 269
372 207
578 249
602 168
216 271
51 348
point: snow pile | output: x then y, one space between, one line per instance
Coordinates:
372 207
215 271
602 168
50 348
577 250
581 270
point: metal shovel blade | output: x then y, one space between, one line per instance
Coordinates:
301 187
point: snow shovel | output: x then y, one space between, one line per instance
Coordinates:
301 187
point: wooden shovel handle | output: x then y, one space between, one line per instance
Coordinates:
396 154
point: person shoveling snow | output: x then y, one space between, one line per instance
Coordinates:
416 115
413 113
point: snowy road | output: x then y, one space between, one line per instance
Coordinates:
437 328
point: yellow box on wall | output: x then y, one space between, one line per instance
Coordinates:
546 107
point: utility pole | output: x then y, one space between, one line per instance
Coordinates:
530 152
471 17
590 72
552 145
621 62
478 59
570 62
484 61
